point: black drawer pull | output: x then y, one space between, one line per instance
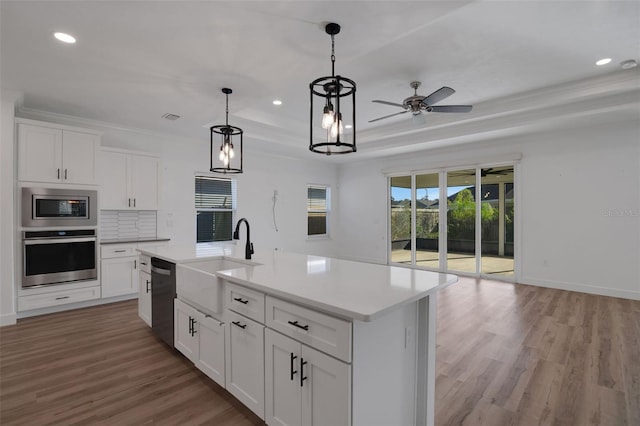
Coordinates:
143 263
242 326
241 300
295 323
62 297
119 251
148 282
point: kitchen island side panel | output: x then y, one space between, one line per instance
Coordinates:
385 369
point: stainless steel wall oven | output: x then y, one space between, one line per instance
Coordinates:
58 257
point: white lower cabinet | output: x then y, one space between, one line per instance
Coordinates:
304 386
144 297
201 339
144 289
119 276
245 361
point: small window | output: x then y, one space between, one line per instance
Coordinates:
215 208
318 210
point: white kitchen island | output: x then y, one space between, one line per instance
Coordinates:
336 342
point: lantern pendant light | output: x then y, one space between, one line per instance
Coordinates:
227 158
335 96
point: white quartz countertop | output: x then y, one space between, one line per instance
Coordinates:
353 290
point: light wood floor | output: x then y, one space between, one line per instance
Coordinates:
507 355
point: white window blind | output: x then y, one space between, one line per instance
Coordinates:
317 209
215 202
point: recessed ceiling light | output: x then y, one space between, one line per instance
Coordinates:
628 64
277 102
603 61
65 38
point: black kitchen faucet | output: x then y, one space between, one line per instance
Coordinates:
248 248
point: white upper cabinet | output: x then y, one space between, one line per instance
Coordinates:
56 154
128 181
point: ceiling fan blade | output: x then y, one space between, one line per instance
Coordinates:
451 108
438 95
389 103
387 116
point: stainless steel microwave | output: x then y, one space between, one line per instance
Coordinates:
59 207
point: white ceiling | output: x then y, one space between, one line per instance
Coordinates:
135 61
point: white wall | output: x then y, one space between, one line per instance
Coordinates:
7 210
579 211
263 173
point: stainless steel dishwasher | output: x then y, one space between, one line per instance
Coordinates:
163 291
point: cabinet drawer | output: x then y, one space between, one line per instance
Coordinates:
145 263
45 300
323 332
111 251
245 301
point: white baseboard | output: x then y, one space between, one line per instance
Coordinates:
583 288
8 319
70 306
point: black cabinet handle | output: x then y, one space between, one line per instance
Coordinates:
302 376
292 371
242 326
241 300
135 264
295 323
134 202
143 263
119 251
62 297
65 174
129 202
148 282
58 173
192 326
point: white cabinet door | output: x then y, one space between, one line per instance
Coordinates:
143 182
283 404
79 156
144 297
211 348
185 333
245 361
39 153
119 276
128 181
113 180
326 390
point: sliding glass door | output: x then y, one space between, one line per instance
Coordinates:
400 219
497 219
455 220
427 203
461 221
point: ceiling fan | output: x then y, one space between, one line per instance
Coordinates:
416 103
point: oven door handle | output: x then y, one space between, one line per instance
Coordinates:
57 240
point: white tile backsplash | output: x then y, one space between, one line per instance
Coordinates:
119 224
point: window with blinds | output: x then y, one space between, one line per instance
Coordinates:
317 210
215 208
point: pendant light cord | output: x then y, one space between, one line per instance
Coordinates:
333 56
